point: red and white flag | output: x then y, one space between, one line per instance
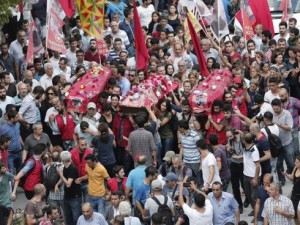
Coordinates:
102 47
35 46
55 37
247 25
287 10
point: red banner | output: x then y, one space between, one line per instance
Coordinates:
247 26
55 40
102 47
35 46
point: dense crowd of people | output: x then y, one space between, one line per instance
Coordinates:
162 164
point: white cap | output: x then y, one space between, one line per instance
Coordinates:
91 105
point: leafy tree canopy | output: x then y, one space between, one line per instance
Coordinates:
5 10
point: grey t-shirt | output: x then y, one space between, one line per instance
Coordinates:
285 119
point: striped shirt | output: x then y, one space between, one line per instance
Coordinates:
190 151
283 203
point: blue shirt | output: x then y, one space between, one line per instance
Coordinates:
125 85
142 192
12 131
262 195
113 8
224 211
134 177
97 218
128 29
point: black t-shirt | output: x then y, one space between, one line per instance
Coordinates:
262 146
75 190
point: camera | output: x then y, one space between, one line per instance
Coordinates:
260 118
187 184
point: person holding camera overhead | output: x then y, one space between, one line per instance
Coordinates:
235 149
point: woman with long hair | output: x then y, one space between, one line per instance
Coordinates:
174 18
103 148
107 116
164 115
155 19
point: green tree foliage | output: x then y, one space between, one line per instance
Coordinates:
5 9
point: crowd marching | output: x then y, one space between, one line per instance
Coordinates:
163 164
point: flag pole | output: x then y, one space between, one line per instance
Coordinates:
243 20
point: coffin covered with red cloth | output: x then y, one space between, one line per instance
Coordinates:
208 90
147 93
87 89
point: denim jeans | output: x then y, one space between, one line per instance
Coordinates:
295 135
84 190
97 203
14 161
167 145
289 157
195 167
158 154
72 209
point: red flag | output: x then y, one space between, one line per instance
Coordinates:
68 6
141 51
102 47
35 46
247 25
261 11
287 10
199 53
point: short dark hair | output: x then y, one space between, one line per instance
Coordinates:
268 115
39 148
121 70
184 124
150 171
258 99
38 90
199 199
4 138
11 114
91 157
48 209
276 102
273 80
201 144
140 121
213 139
127 12
294 30
83 125
227 108
267 33
56 80
283 23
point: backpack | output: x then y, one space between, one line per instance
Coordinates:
24 178
174 123
164 210
51 177
275 143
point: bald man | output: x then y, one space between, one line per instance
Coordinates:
262 196
278 209
90 217
34 208
22 92
136 175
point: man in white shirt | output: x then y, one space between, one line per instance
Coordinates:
252 170
273 92
210 171
283 32
117 33
201 212
46 79
145 12
16 47
4 100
